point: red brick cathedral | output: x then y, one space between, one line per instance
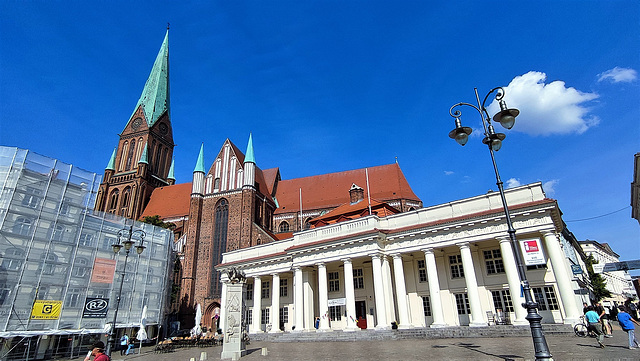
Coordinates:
234 204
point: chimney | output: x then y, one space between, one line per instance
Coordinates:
356 194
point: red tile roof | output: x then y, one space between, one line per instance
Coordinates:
169 202
386 182
353 211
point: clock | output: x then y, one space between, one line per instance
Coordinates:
136 123
164 129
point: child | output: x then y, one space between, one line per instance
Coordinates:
626 322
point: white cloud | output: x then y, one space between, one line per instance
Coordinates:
512 183
548 187
448 172
618 75
547 109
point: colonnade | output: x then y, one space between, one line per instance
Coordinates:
387 309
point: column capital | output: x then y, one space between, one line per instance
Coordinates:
427 250
463 245
377 255
296 268
321 265
346 260
503 239
275 274
396 255
257 277
548 232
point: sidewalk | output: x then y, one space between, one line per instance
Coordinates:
506 348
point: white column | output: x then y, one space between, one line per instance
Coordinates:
477 318
434 289
513 279
561 272
298 301
223 306
401 292
350 295
390 305
378 290
323 297
275 304
257 304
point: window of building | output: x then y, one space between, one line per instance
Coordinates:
537 266
283 227
265 316
219 243
81 268
334 281
455 262
493 261
5 291
65 206
130 154
58 233
32 198
22 226
546 298
86 240
284 316
284 290
265 290
422 271
49 264
248 315
12 259
358 279
307 224
462 304
73 297
113 201
249 293
216 184
502 300
335 313
426 305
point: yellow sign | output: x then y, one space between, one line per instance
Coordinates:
46 310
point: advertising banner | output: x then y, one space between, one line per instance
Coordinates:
532 252
95 307
46 310
103 270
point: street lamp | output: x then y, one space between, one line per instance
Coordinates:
506 117
127 244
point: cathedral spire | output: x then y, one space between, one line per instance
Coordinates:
155 95
171 171
200 161
112 161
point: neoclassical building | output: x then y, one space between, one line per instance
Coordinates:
444 265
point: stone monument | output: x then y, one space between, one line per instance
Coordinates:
235 329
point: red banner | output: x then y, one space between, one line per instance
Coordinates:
103 270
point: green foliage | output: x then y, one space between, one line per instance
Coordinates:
156 221
598 284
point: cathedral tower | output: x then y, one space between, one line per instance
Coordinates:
142 161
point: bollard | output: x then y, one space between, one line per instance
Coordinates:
265 352
192 359
203 356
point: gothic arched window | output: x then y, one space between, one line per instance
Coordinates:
219 243
283 227
123 156
113 201
132 149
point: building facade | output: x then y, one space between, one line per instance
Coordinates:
445 265
619 283
56 257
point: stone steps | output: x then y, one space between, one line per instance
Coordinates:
413 333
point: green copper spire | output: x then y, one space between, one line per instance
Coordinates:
200 162
112 161
171 176
143 157
155 95
248 157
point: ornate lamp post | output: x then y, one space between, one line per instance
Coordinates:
127 244
506 117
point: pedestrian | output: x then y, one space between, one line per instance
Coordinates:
626 322
594 324
585 307
130 346
604 319
97 351
124 343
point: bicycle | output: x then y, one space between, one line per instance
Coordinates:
582 329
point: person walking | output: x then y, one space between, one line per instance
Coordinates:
130 346
97 351
124 343
594 324
604 319
626 323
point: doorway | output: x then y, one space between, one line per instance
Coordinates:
361 314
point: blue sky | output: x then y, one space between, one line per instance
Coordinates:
329 86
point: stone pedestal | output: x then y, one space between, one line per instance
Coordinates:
233 346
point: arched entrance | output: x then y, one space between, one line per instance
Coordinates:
211 316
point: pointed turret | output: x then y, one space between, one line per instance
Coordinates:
112 161
198 174
249 165
155 95
171 179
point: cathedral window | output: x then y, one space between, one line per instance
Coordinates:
132 149
283 227
113 201
219 242
307 224
139 152
216 185
123 156
126 197
156 160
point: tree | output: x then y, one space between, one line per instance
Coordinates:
598 284
156 221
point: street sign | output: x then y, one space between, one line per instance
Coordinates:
576 269
616 266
